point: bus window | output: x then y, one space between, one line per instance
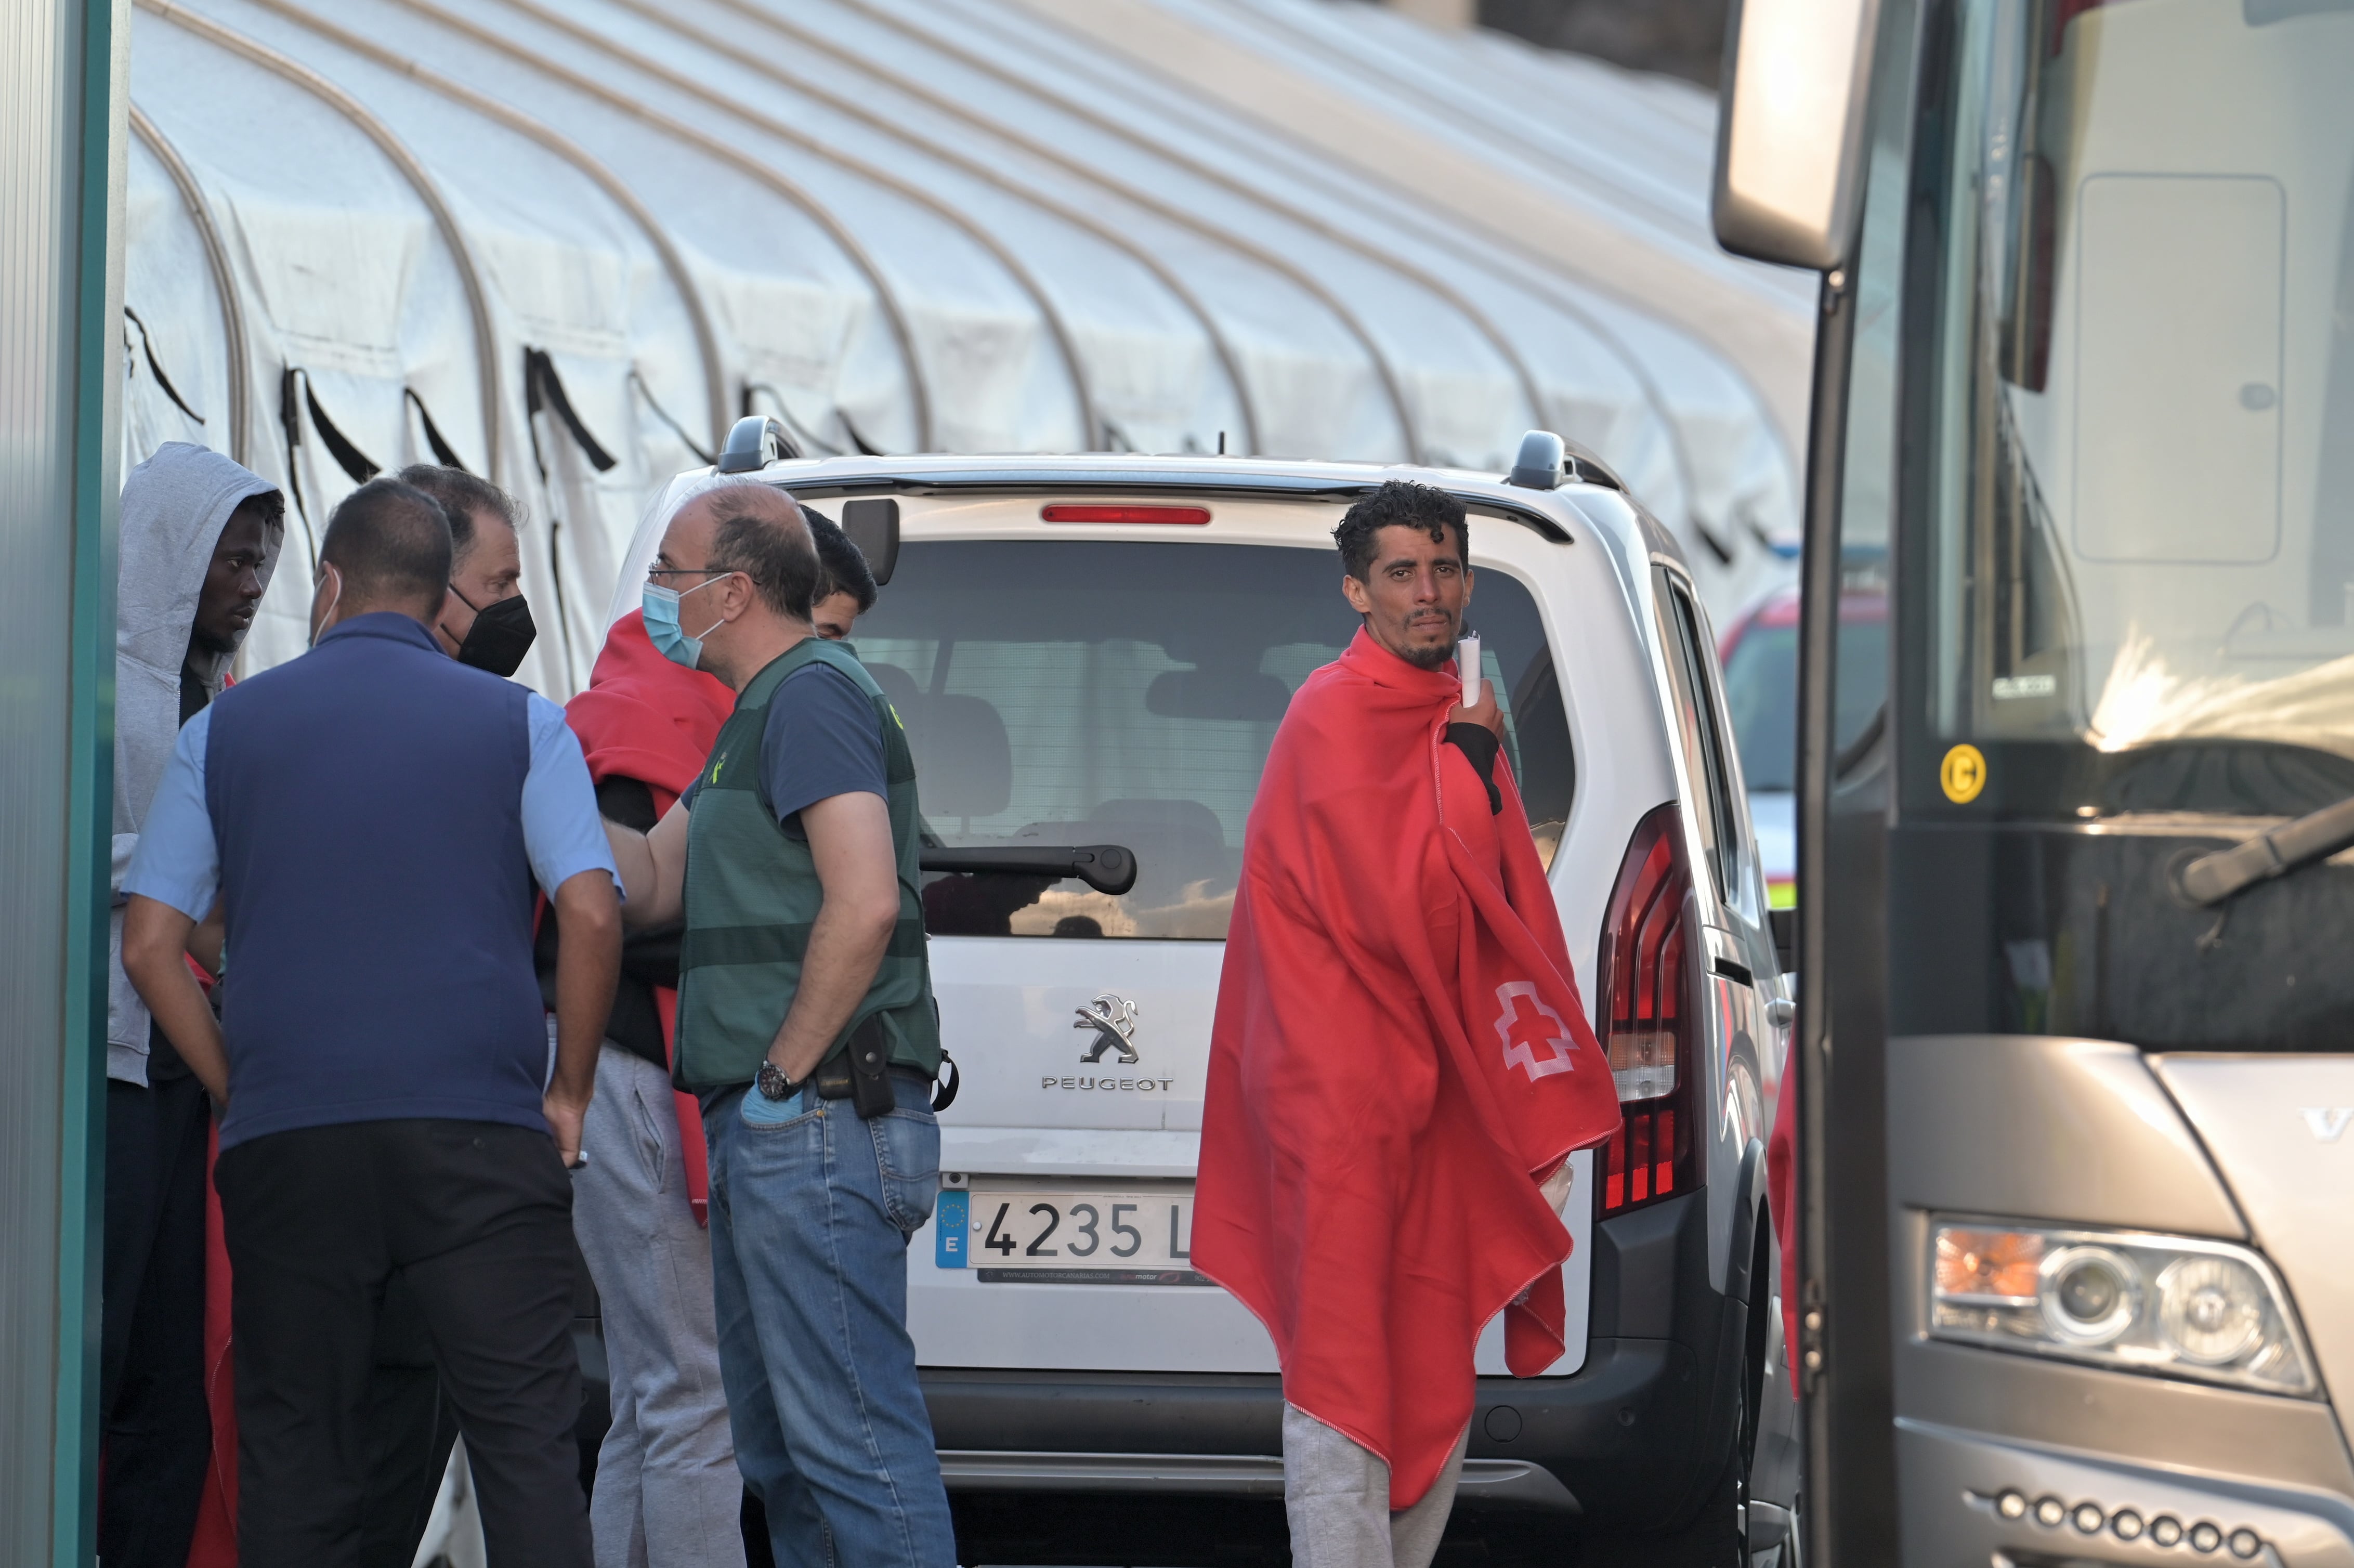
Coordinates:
2140 538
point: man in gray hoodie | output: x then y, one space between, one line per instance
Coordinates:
200 537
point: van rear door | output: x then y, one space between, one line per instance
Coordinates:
1076 691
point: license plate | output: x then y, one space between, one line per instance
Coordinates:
1055 1236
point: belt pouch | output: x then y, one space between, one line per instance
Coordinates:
870 1070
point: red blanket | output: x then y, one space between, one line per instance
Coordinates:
643 718
1399 1057
214 1546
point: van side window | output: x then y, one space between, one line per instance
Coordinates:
1703 734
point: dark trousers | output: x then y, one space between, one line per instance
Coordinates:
158 1433
477 1219
410 1425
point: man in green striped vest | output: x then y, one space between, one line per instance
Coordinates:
806 1025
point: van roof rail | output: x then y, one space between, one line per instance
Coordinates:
754 442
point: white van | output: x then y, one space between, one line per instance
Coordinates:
1091 655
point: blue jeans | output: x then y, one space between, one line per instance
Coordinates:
810 1221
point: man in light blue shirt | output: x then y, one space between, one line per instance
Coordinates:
178 860
378 820
410 1423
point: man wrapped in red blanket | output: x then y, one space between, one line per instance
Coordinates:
1399 1051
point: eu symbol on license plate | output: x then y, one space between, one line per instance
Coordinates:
951 1228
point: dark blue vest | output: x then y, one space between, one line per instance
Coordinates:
367 801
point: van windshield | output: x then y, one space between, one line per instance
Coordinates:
1111 692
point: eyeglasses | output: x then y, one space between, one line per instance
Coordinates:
683 571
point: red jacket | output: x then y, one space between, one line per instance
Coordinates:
646 718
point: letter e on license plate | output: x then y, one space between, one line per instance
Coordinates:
952 1228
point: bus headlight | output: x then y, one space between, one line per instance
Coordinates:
2216 1312
2089 1294
2210 1310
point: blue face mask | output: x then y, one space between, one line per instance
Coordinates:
670 639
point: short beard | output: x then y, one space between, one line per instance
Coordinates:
1430 658
219 647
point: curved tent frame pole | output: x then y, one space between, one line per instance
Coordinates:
1244 399
469 274
1392 389
1542 148
1497 339
1553 287
894 313
1539 278
1554 274
1081 389
240 371
1564 168
707 340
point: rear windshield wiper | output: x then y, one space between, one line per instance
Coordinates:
2318 835
1107 868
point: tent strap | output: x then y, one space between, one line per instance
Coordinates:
663 415
443 453
147 347
544 391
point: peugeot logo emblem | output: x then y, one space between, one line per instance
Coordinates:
1113 1019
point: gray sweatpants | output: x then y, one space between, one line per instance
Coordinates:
1336 1495
667 1489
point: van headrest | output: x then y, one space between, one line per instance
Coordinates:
898 686
964 761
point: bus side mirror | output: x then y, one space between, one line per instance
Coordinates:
872 524
1790 132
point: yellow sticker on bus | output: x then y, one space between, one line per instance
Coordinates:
1963 774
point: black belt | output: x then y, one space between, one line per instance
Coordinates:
833 1080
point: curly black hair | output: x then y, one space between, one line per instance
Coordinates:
1399 503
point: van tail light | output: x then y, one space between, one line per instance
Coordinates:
1648 1020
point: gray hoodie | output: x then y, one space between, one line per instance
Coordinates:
174 506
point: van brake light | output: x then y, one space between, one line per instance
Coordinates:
1092 512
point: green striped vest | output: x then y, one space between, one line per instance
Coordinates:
752 895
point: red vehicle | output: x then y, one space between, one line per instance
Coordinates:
1760 654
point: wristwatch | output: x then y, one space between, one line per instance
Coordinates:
773 1084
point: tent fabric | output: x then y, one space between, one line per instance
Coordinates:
181 338
1311 69
580 236
353 293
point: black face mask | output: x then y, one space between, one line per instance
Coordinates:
502 634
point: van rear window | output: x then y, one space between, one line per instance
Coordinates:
1078 691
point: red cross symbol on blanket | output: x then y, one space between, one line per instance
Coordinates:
1536 1039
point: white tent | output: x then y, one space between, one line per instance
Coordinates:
564 242
184 379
